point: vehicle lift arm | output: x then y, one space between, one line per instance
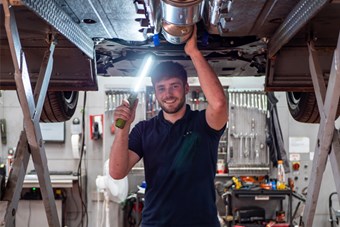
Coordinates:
327 139
31 142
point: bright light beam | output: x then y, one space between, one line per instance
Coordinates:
144 69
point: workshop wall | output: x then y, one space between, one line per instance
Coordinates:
60 156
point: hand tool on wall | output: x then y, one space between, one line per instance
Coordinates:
3 131
260 102
249 100
252 101
252 138
241 100
120 123
264 102
241 148
255 102
246 146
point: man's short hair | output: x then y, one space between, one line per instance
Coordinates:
166 70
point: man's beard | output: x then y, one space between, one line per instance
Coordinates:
175 109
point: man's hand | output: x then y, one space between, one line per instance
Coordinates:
191 45
125 112
121 158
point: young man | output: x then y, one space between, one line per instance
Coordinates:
178 147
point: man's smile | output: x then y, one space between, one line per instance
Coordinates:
170 101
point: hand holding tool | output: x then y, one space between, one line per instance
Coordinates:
120 123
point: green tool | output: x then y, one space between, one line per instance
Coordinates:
120 123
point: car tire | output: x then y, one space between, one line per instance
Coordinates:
303 107
59 106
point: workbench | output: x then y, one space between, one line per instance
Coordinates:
57 181
270 200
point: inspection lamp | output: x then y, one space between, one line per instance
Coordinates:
143 70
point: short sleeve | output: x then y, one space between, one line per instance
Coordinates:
135 140
209 130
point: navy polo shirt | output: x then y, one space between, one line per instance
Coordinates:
180 166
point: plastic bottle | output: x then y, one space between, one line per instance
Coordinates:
281 176
10 159
237 183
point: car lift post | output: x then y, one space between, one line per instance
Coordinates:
31 142
328 138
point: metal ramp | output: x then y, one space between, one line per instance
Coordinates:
328 145
30 142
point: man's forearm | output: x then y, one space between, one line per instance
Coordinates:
216 111
209 81
119 155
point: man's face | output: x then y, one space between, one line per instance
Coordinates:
170 94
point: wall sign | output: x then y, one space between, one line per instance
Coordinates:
298 145
53 132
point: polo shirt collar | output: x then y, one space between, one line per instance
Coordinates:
186 115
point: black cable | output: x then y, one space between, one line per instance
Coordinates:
330 207
296 209
29 214
63 206
80 183
84 184
298 196
75 204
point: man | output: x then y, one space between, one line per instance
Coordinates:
178 147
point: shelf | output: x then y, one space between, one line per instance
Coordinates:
222 175
252 193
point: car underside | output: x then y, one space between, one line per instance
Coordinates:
111 37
